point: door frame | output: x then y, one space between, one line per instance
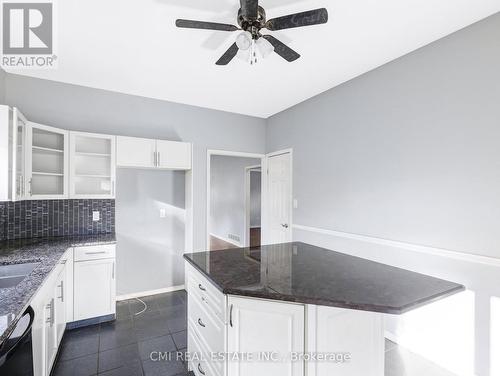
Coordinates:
265 194
248 173
230 153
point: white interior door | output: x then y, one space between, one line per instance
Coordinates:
279 199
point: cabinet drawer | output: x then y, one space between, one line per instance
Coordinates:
95 252
200 358
207 293
208 327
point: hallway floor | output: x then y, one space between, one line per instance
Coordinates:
123 347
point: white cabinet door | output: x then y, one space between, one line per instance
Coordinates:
12 154
94 288
50 334
92 165
135 152
173 155
60 305
46 162
257 326
19 156
358 334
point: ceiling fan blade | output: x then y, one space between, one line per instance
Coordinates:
311 17
228 55
191 24
282 49
250 8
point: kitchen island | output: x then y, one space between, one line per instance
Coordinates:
296 309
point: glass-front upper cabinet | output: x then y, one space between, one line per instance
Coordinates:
19 160
46 162
12 151
92 165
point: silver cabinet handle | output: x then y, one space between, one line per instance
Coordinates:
231 315
201 287
154 158
113 272
48 320
200 369
201 323
61 286
95 253
159 160
29 189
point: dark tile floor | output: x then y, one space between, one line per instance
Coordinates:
123 347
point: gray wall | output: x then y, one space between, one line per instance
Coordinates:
2 86
150 248
407 152
87 109
227 195
255 198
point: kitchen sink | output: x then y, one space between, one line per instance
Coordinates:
13 274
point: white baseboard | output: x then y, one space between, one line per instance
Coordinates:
227 240
491 261
149 292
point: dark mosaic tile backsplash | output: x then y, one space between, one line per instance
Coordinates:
43 218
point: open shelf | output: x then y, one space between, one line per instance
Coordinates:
50 150
93 176
47 173
86 154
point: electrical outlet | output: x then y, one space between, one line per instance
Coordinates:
163 213
295 203
96 216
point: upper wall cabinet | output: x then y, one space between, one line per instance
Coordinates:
92 165
46 162
147 153
135 152
12 154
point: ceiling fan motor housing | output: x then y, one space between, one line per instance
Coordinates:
253 25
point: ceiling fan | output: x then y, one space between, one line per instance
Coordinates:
251 19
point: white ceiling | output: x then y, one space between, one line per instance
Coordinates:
132 46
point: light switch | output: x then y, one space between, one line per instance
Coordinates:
295 203
96 216
163 213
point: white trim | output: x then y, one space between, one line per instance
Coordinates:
247 227
492 261
228 153
227 240
149 292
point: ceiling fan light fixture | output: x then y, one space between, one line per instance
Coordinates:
244 40
265 48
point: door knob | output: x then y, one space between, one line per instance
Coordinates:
285 225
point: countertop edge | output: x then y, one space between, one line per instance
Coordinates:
328 303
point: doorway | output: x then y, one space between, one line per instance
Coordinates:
253 205
231 207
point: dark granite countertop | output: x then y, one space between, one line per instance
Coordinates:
46 252
302 273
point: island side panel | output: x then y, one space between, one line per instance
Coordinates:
356 338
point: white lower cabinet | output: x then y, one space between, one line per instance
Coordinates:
275 330
282 338
50 319
94 289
